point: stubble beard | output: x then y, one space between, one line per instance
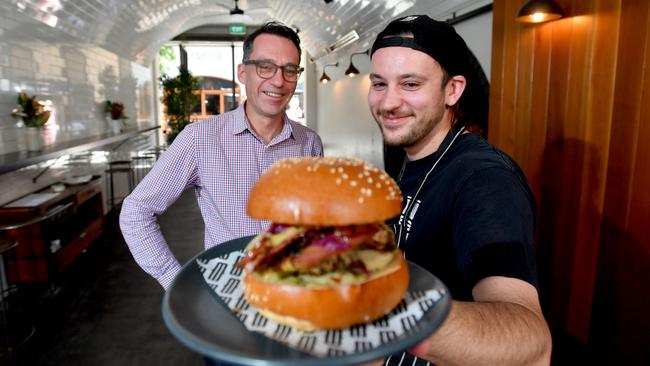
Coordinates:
417 130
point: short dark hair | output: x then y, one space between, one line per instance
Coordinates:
276 28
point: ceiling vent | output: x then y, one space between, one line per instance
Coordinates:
345 40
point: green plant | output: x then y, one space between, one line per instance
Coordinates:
167 58
178 98
116 109
31 111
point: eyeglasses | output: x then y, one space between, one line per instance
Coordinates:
267 69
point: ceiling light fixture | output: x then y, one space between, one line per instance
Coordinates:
538 11
352 70
236 10
324 79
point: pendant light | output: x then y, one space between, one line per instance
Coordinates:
325 78
352 71
538 11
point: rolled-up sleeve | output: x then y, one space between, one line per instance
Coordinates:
175 171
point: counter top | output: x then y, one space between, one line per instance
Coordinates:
20 159
15 216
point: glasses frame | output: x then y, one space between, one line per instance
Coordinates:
257 64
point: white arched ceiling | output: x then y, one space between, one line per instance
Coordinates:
141 26
76 54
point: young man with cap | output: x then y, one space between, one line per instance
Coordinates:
468 212
221 158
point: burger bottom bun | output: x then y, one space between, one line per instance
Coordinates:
311 309
302 325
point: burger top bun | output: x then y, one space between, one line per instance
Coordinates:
324 192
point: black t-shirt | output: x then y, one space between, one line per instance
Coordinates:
473 217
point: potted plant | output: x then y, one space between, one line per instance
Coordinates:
34 116
178 98
116 111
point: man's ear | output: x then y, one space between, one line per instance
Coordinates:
241 74
454 89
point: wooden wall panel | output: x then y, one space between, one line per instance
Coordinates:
506 80
620 322
593 31
538 117
569 101
557 215
499 47
522 92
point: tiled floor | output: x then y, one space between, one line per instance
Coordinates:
106 310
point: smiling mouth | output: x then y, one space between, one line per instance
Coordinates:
393 119
274 95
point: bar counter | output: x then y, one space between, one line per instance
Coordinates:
20 159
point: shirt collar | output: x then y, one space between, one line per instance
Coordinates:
242 124
241 121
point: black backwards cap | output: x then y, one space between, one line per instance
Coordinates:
440 41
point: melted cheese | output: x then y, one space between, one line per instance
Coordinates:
374 261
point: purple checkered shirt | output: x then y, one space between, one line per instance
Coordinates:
221 158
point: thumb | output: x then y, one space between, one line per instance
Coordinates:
420 350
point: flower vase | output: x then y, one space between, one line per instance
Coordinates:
33 138
116 126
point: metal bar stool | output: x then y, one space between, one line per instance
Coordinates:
157 151
117 167
141 165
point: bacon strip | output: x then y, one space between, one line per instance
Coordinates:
313 246
324 248
264 249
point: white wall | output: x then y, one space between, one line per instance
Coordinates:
477 33
344 120
77 77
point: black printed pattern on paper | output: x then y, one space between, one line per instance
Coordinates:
225 280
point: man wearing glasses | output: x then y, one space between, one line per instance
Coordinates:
222 157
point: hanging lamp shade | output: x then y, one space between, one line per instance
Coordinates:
352 71
538 11
325 78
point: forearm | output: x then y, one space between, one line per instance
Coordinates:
170 176
145 241
489 333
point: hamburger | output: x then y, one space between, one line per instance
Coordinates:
328 260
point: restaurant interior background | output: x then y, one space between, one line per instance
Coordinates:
568 100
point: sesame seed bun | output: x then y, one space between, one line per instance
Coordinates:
324 191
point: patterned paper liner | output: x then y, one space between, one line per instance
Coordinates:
224 279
